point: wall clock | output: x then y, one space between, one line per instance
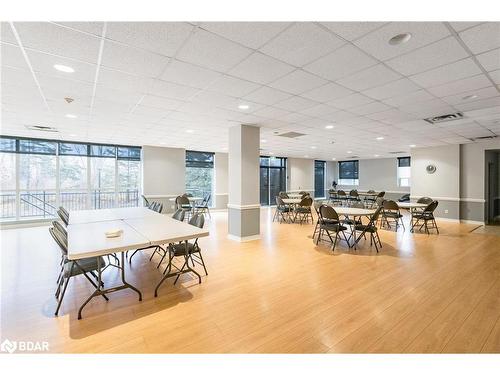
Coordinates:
430 168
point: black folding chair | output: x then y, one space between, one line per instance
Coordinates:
370 228
424 218
330 222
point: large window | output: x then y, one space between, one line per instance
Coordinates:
272 178
349 172
319 178
200 173
39 175
404 171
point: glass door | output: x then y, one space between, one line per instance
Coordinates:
272 179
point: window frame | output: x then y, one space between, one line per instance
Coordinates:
343 180
323 167
403 160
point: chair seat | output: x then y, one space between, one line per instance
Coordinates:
180 248
283 209
422 216
366 228
393 215
84 265
333 227
303 209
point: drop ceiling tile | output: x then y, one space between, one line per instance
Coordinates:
297 82
460 26
377 44
495 76
271 112
6 34
267 95
409 98
340 63
249 34
95 28
369 108
261 69
479 104
302 43
232 86
189 75
212 51
319 110
170 90
352 30
490 60
483 37
57 40
161 37
350 101
118 96
369 78
447 73
295 104
12 56
466 84
433 55
327 92
483 93
391 89
160 102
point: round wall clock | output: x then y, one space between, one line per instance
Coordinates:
430 168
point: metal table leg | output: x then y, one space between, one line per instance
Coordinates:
99 291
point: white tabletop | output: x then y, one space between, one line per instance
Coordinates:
292 200
107 214
411 205
294 195
354 211
165 229
89 240
191 199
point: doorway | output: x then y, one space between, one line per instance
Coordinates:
272 178
492 187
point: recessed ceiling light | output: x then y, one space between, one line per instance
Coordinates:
376 155
334 158
72 135
379 138
349 152
64 68
313 147
413 146
69 115
263 140
190 131
163 143
400 39
329 127
306 156
243 106
271 153
469 97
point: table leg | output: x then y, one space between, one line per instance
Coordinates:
99 291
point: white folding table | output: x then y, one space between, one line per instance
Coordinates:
354 212
140 227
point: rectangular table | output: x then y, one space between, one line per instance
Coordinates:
141 228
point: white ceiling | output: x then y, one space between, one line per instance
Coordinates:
180 84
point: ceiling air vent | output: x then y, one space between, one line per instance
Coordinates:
484 137
42 128
291 135
445 118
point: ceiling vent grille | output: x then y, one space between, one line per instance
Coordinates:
291 135
41 128
444 118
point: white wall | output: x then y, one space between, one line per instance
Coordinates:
300 174
221 180
163 173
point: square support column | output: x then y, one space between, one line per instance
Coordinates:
244 182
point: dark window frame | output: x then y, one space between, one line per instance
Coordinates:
404 161
209 161
355 170
323 167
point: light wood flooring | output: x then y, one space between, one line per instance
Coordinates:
281 294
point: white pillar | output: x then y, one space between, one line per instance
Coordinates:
244 202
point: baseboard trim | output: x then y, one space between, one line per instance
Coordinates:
243 207
243 239
475 222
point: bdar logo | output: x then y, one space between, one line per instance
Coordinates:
8 346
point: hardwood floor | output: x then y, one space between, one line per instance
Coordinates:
421 293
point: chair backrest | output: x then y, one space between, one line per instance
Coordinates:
182 199
404 198
354 193
156 206
279 201
178 215
390 205
60 239
145 201
329 213
57 225
379 201
65 211
197 220
206 200
431 207
306 201
425 200
63 217
371 191
283 194
341 192
381 194
374 217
